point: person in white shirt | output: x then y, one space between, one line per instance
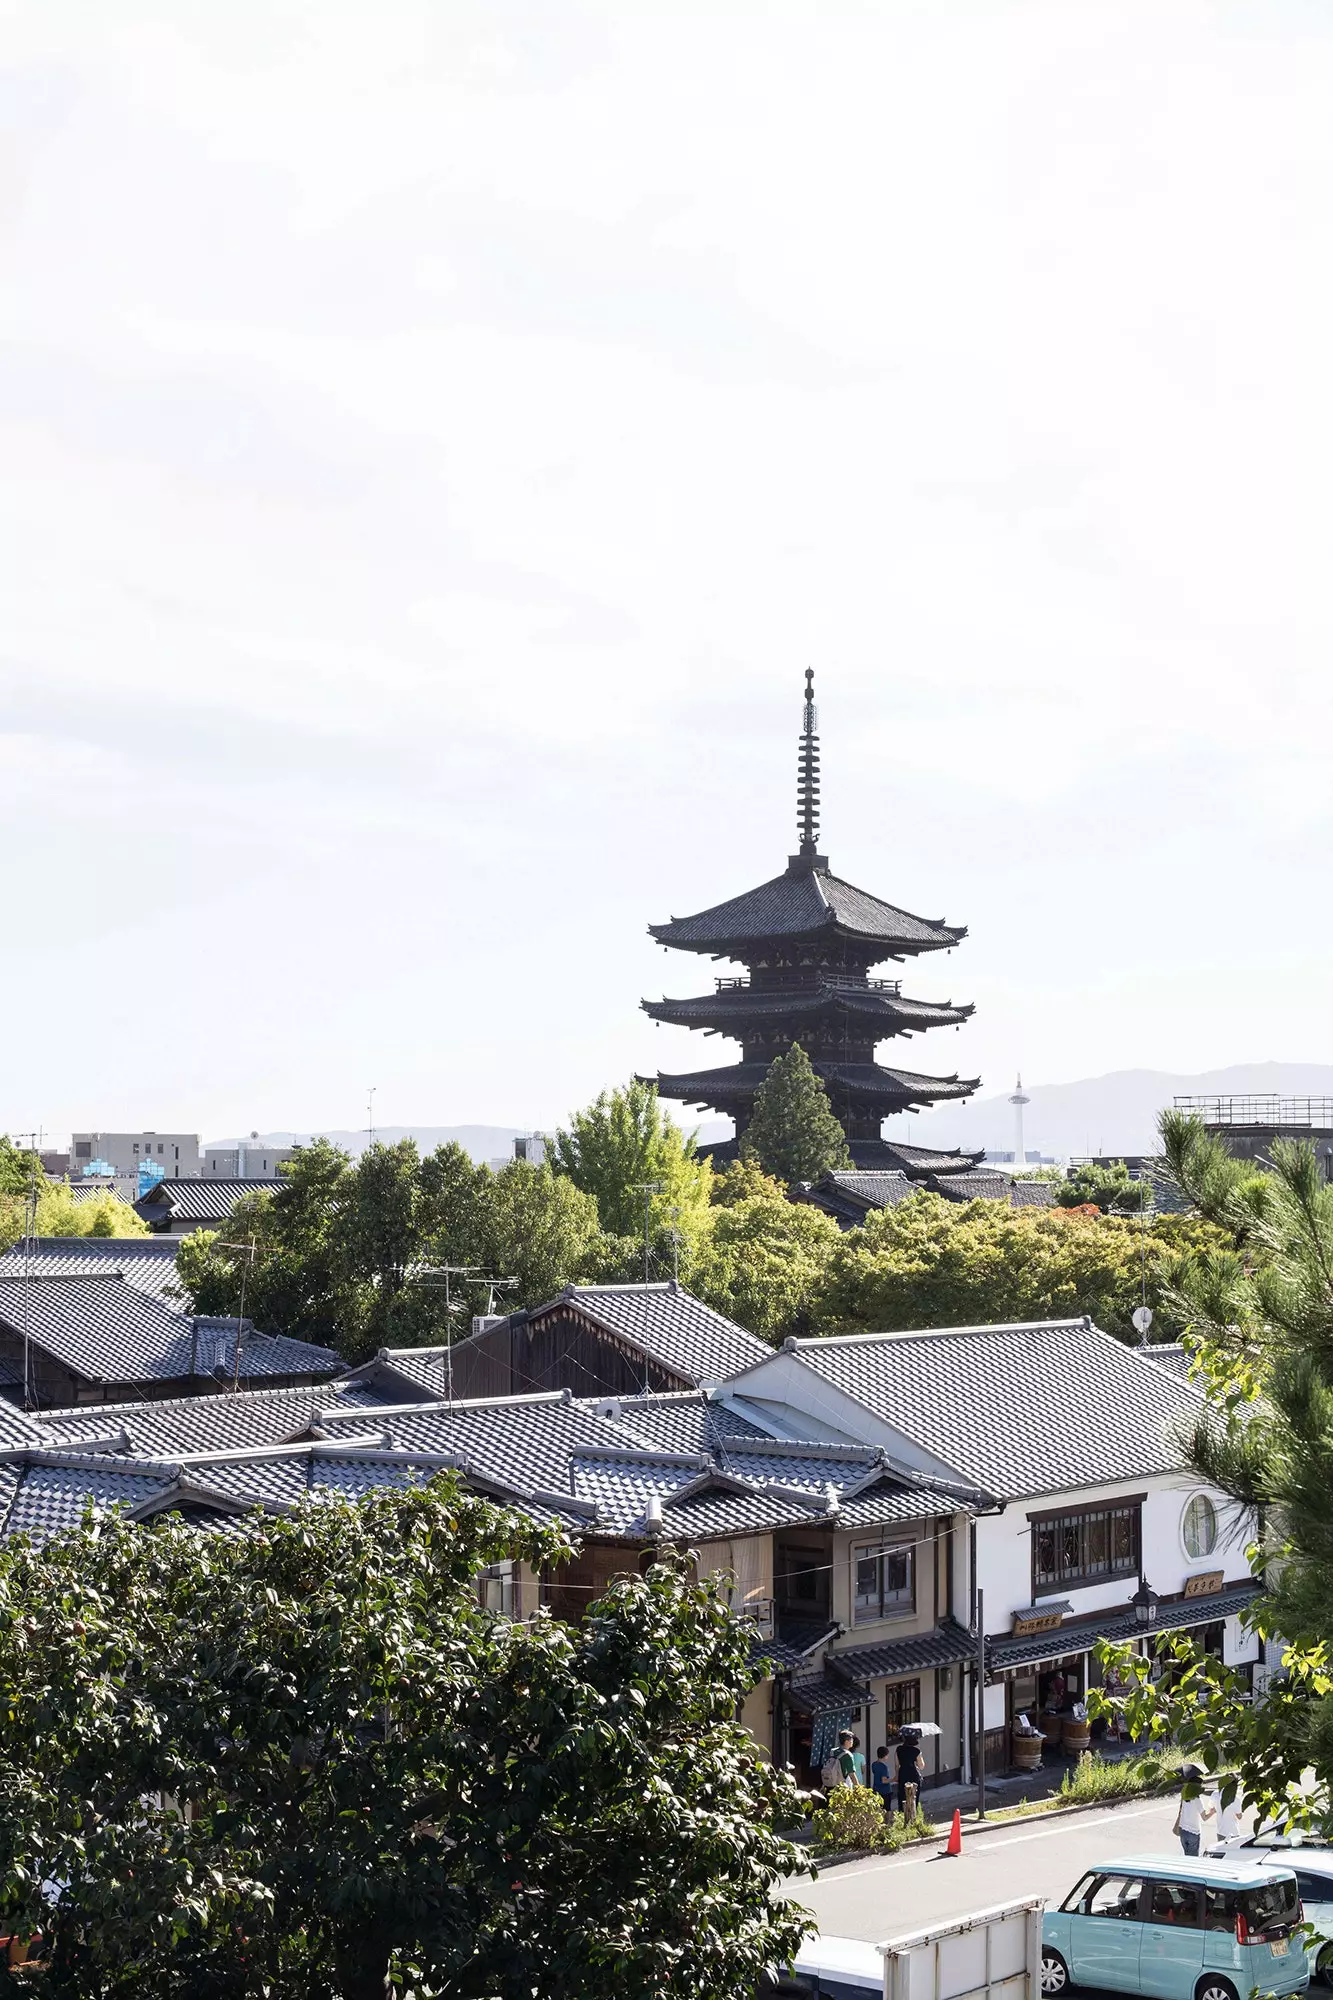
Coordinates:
1226 1830
1191 1813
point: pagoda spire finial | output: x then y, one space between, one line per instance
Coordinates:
807 787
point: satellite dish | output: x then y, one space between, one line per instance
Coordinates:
1142 1318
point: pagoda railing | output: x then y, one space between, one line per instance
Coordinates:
848 982
1261 1109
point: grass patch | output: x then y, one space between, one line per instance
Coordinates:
1095 1778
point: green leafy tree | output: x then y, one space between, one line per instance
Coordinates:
624 1142
304 1760
931 1262
792 1133
541 1229
58 1214
1107 1188
762 1258
20 1167
1260 1313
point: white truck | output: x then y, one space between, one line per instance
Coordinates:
990 1955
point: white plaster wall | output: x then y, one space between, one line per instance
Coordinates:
1004 1548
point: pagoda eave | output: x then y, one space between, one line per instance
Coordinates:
865 1083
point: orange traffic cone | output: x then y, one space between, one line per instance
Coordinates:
954 1844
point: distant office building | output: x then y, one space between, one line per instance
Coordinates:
1249 1126
54 1165
248 1159
177 1153
529 1146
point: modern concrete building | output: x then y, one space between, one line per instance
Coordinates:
176 1153
1249 1126
248 1159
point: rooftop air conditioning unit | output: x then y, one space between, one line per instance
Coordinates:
483 1322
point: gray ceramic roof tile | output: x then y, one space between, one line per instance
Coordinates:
669 1324
199 1200
52 1497
106 1330
681 1421
185 1424
146 1262
1036 1408
944 1647
1169 1354
872 1082
801 902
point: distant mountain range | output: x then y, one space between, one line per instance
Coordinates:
1116 1113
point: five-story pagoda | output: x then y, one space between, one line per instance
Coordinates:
808 941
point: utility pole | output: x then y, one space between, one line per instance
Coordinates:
981 1704
647 1189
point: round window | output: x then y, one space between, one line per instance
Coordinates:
1199 1525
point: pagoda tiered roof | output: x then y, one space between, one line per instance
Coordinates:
809 939
897 1089
883 1010
807 902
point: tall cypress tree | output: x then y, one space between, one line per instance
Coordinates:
793 1134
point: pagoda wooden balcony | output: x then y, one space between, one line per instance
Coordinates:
847 982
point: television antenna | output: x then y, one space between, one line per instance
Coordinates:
29 1242
434 1277
647 1189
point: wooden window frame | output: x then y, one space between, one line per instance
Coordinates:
1120 1503
878 1552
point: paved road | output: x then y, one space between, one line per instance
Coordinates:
882 1899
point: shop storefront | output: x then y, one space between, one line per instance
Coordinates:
1043 1670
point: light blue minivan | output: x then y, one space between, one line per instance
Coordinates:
1177 1929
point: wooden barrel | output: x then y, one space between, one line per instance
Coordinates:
1027 1751
1052 1728
1077 1736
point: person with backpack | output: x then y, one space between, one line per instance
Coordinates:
840 1768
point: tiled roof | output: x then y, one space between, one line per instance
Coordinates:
526 1441
89 1190
731 1008
827 1693
173 1426
1118 1624
871 1081
202 1199
51 1497
976 1186
850 1197
795 1640
15 1426
802 903
1169 1354
1033 1408
683 1420
146 1262
107 1330
669 1324
944 1647
1033 1194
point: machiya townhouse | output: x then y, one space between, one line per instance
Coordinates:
860 1497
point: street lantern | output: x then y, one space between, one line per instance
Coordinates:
1145 1602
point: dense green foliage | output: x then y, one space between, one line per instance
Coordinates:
1108 1188
1260 1313
351 1254
792 1133
622 1145
762 1258
56 1212
930 1262
301 1759
348 1254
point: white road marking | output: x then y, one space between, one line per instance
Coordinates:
1004 1839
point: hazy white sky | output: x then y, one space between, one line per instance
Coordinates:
434 439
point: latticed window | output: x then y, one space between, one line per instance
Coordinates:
883 1583
902 1703
1084 1546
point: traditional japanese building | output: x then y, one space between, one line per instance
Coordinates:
808 941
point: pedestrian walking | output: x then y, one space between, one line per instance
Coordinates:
1226 1828
881 1778
911 1765
1190 1812
858 1762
